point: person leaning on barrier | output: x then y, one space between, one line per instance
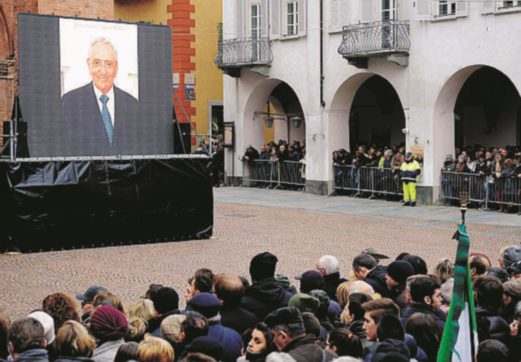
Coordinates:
409 170
250 155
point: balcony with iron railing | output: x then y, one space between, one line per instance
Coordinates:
375 39
234 54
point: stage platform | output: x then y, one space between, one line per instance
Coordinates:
75 202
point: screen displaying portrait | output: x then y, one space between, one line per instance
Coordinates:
95 88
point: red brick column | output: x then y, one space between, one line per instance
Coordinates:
182 51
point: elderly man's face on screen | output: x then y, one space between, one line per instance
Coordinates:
103 66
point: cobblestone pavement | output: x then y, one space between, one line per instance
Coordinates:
297 233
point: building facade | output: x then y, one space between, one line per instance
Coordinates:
197 88
431 74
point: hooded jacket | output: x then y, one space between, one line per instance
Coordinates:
376 278
331 283
265 296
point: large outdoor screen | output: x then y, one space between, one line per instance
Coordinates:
95 88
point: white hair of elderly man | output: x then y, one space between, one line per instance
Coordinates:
329 263
359 286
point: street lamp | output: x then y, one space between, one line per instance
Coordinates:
297 121
268 121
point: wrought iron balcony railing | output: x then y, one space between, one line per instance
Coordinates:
247 52
375 39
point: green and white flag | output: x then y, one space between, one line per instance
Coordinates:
460 338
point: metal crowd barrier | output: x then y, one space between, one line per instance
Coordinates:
274 173
369 180
483 190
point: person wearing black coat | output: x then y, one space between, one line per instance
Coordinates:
230 290
489 299
366 268
376 279
265 294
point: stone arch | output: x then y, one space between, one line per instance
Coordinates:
443 113
342 104
253 133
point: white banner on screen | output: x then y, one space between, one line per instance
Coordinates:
76 37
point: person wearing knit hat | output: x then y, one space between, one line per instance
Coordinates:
47 323
397 273
304 303
108 325
266 294
208 305
262 266
310 280
509 255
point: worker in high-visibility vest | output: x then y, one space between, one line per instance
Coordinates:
409 170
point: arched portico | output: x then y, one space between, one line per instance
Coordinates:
477 105
284 104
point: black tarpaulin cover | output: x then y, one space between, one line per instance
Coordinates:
70 204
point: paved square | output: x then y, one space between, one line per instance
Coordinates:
296 227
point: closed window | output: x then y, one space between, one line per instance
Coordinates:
446 8
255 21
292 17
511 4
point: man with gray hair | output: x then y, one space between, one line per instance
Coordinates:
99 118
328 266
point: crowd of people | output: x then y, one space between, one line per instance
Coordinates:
502 162
373 156
276 152
381 311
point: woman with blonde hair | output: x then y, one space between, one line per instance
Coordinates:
73 343
342 293
107 298
154 349
144 309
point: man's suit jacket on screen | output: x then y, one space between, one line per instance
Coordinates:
83 132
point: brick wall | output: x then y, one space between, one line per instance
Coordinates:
103 9
182 23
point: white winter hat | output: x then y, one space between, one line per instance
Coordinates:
47 322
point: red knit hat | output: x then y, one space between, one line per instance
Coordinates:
107 323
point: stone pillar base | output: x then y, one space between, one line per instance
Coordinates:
424 195
317 187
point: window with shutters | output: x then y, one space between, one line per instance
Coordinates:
511 4
339 15
292 18
255 20
446 8
501 7
507 5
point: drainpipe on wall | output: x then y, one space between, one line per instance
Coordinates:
322 102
